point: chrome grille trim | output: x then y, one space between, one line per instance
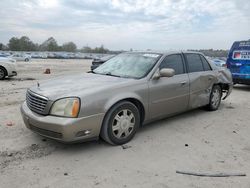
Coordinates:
37 103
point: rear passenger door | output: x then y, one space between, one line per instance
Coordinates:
201 79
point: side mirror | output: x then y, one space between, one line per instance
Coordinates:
165 72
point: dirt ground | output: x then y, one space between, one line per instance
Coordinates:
197 141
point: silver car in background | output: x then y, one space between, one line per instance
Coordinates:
21 57
7 67
122 94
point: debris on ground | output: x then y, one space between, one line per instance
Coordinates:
221 161
126 146
30 152
206 142
229 107
47 71
24 79
10 123
210 174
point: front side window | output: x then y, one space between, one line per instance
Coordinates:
174 62
194 63
129 65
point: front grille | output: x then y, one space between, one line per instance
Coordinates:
36 103
45 132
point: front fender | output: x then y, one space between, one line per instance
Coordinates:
121 97
9 67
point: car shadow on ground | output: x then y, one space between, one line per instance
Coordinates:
99 144
171 120
242 87
17 79
40 146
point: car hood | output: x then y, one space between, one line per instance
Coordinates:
76 85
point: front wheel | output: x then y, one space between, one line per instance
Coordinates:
121 123
215 98
26 60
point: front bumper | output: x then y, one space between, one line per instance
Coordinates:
11 69
63 129
13 73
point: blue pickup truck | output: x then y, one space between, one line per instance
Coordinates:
238 62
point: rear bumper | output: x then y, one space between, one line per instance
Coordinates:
63 129
13 73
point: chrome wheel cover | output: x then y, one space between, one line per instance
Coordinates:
123 124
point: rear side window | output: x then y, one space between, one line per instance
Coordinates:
174 62
205 63
194 63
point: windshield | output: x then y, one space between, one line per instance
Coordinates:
129 65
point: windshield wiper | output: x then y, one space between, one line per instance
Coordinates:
109 74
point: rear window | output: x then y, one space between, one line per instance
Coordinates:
194 63
205 63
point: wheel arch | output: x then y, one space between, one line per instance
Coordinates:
134 100
223 86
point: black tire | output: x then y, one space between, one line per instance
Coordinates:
26 60
215 98
109 134
3 73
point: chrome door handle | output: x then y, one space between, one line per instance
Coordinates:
183 83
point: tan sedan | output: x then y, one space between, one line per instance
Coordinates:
127 91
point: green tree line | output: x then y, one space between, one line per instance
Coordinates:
25 44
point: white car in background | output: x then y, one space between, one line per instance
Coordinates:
7 67
218 62
21 57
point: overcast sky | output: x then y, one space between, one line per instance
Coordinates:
125 24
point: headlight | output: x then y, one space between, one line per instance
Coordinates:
66 107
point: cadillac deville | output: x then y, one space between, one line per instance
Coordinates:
127 91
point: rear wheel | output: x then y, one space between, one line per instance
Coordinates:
120 123
3 73
26 60
215 98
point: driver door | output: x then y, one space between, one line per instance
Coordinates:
169 95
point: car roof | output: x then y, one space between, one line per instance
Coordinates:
166 52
